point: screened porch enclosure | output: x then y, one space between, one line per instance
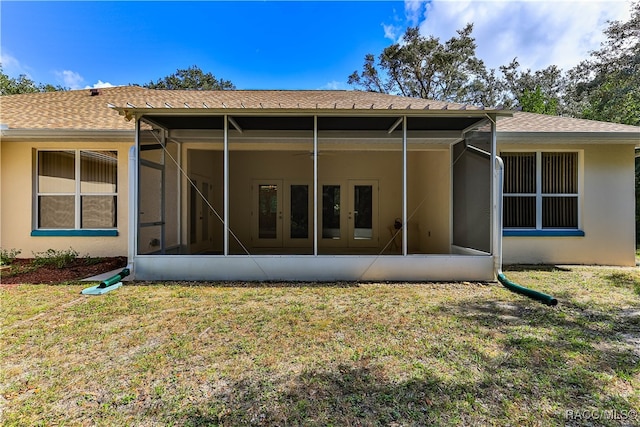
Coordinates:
317 197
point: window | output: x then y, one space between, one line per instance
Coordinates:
76 189
541 190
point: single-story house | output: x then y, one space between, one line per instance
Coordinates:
311 185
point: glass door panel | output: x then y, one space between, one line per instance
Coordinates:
268 211
298 220
299 227
331 208
363 212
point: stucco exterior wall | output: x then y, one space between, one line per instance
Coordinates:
17 186
607 202
607 213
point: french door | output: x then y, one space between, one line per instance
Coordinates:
349 213
281 213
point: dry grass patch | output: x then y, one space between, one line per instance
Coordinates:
322 354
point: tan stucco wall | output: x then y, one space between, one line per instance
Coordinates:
607 210
16 222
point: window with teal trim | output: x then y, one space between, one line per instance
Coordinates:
76 189
541 190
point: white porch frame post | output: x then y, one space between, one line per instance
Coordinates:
404 187
494 196
226 185
315 185
134 163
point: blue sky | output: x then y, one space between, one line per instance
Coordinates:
278 44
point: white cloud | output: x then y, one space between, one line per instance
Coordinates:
334 85
100 84
538 33
391 31
70 79
11 66
414 11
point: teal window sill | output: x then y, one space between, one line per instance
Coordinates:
542 233
74 233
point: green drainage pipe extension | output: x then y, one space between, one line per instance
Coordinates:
539 296
114 279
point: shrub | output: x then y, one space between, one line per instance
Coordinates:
7 256
89 260
58 258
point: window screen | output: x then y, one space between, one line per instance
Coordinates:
76 189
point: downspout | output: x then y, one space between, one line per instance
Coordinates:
514 287
133 205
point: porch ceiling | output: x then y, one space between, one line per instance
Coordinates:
330 123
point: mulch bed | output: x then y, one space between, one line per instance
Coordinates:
22 270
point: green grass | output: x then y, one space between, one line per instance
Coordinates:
324 354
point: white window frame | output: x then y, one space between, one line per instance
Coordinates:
540 196
77 193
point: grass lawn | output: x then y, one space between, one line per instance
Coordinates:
338 354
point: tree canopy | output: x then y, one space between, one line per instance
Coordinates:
23 84
603 87
422 67
607 85
191 78
426 68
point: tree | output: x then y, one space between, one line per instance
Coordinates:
191 78
540 92
534 101
23 84
605 86
422 67
13 86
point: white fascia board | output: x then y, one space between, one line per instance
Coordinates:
67 135
569 138
129 113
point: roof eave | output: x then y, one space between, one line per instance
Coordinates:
129 113
568 137
120 135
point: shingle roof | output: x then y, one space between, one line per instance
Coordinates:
530 122
75 109
79 110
